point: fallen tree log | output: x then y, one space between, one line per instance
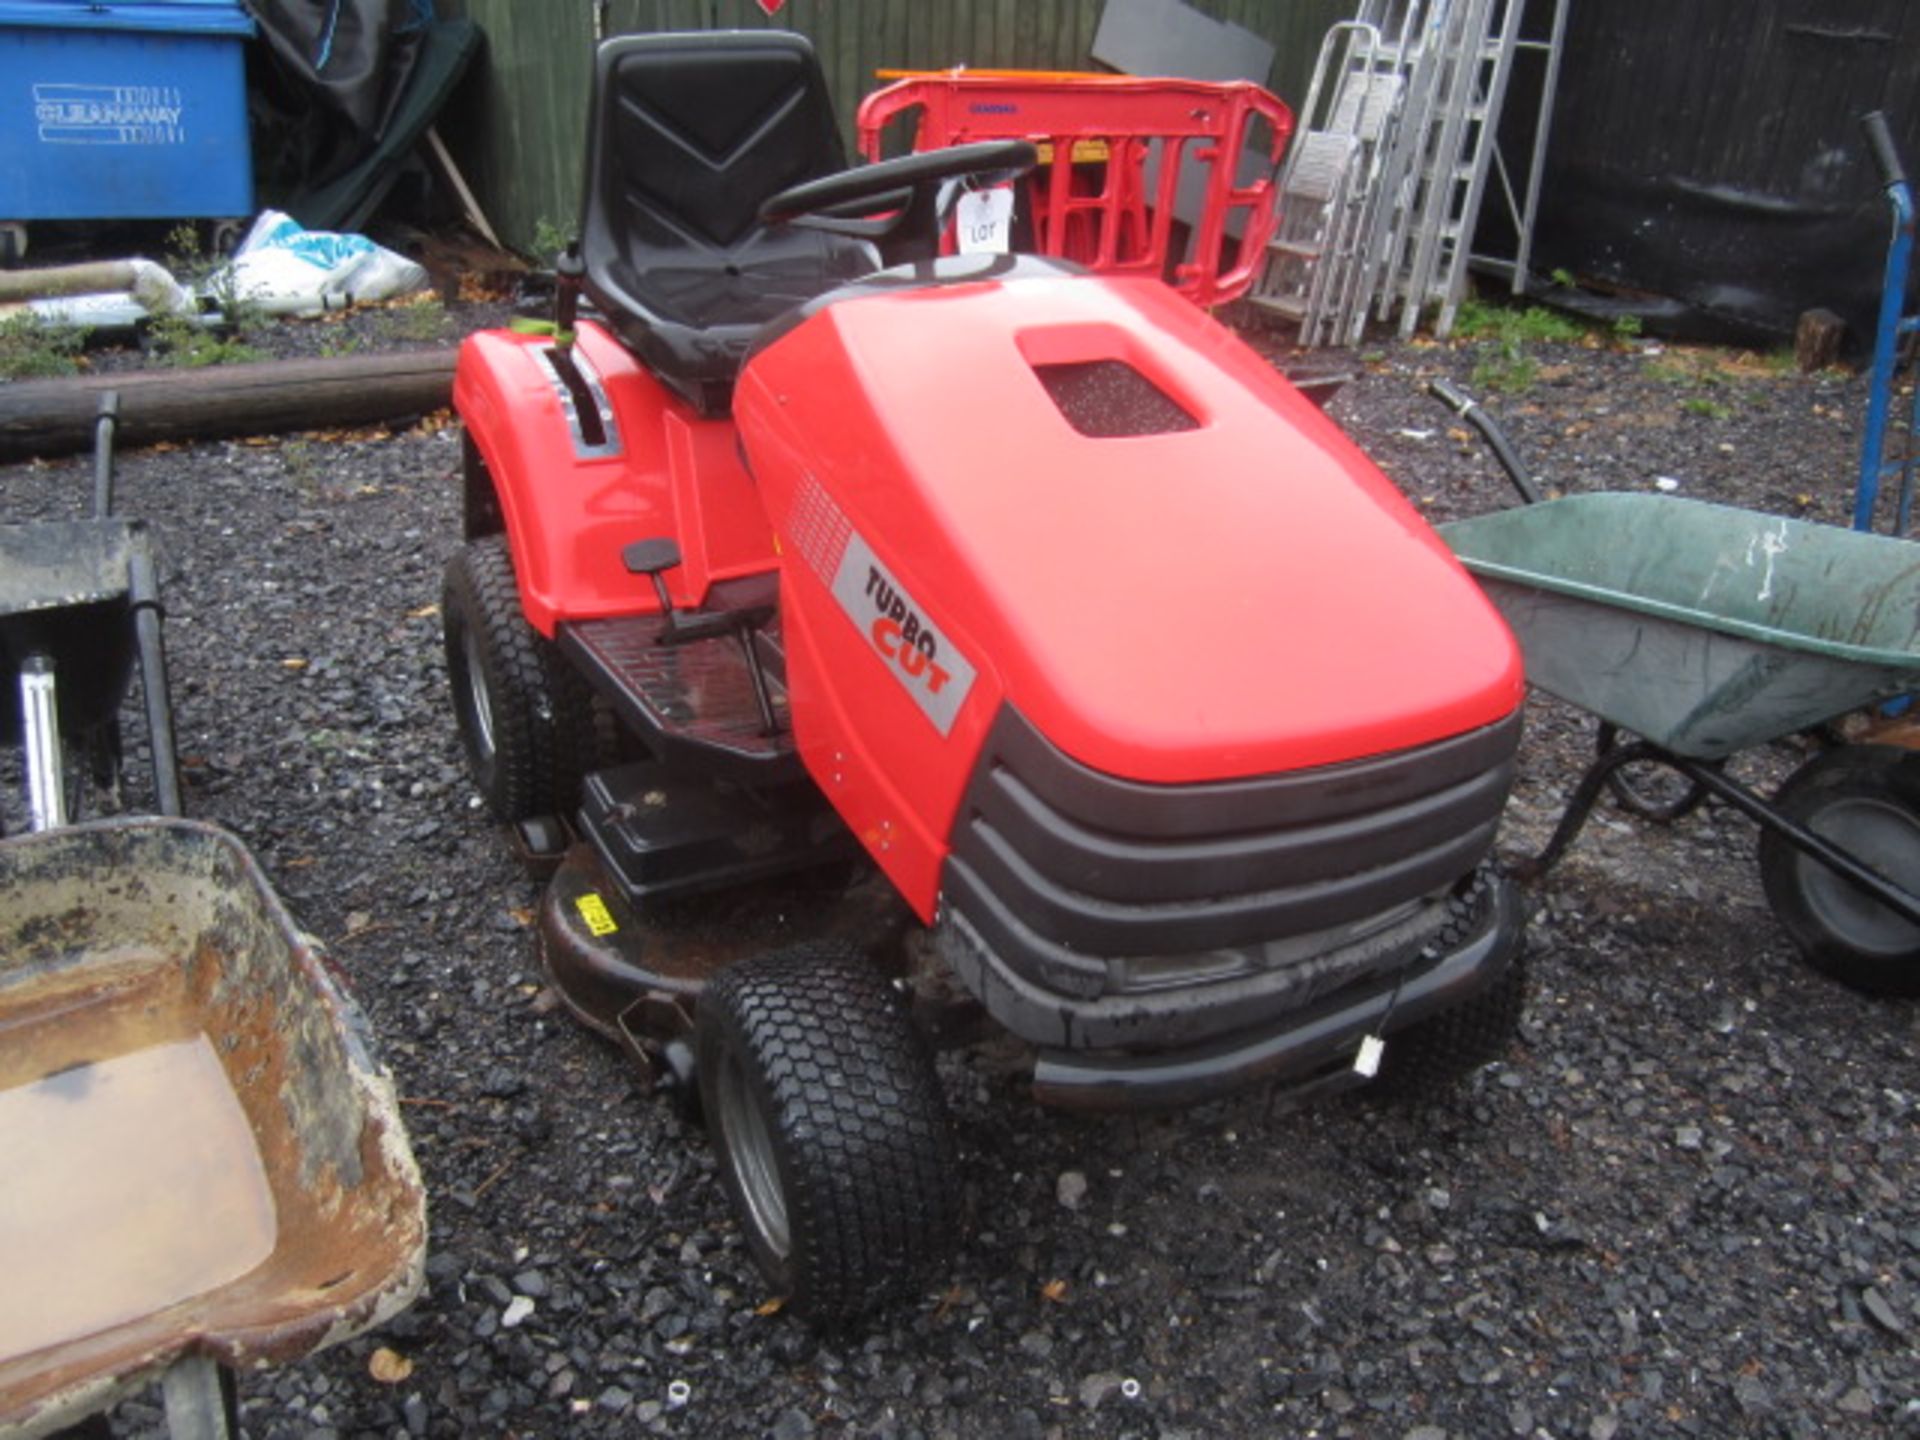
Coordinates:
55 417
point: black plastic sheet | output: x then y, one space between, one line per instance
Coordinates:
353 56
327 79
1707 169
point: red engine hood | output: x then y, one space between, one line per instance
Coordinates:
1246 596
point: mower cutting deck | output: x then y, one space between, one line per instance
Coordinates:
819 592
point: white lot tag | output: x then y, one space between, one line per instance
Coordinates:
984 221
1372 1050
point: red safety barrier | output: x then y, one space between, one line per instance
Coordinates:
1096 207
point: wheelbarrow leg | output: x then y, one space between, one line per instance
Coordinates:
1893 896
1715 781
1580 805
199 1396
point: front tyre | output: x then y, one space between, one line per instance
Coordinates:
832 1134
1438 1053
1865 799
1434 1055
519 708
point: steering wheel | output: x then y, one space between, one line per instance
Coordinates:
920 190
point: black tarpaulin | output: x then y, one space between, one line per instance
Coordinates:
1706 158
352 56
339 91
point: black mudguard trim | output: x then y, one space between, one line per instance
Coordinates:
1061 868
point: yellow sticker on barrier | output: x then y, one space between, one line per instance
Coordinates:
1084 152
594 911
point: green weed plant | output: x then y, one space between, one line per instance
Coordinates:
33 349
1504 334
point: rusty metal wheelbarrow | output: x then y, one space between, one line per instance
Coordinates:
205 1168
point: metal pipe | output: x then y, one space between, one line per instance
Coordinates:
1808 842
105 420
1579 807
1893 288
145 597
1713 779
1468 409
40 711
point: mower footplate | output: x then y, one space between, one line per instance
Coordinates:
635 973
694 701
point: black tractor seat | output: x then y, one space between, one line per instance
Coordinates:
688 133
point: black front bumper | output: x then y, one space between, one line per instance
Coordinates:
1158 943
1319 1042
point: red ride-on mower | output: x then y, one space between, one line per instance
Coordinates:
846 585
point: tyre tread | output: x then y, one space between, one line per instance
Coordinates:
1445 1048
857 1116
542 708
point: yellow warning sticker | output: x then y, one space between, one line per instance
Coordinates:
1084 152
594 911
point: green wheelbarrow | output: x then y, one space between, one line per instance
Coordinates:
1694 631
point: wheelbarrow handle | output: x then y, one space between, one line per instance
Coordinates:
1885 154
1468 409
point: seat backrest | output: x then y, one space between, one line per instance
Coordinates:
687 135
693 131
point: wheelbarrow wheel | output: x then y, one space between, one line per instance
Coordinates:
526 718
1647 788
822 1102
1865 799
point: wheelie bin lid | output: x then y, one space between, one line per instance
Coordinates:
174 17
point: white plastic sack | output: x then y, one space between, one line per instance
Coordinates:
280 268
285 269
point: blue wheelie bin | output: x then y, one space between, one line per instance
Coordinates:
115 110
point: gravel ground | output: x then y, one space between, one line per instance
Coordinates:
1683 1205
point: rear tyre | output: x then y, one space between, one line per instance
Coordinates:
1866 800
1442 1051
832 1134
526 718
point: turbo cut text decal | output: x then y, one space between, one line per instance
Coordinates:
923 660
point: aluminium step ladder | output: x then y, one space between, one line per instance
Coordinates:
1398 207
1398 139
1542 34
1475 70
1331 175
